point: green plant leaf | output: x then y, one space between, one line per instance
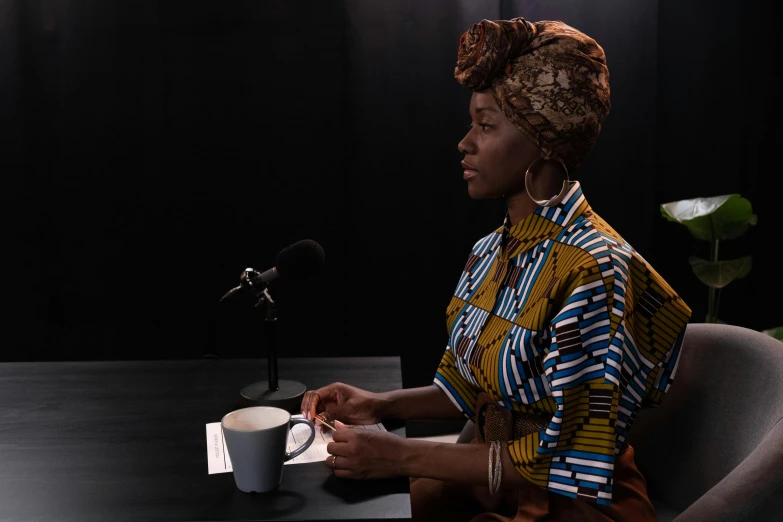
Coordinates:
777 333
719 217
718 275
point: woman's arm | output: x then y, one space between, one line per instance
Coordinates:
464 463
366 454
425 403
349 404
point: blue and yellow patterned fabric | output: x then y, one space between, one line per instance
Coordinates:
560 317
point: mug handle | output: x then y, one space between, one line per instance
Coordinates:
298 451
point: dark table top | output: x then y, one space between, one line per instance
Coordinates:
98 441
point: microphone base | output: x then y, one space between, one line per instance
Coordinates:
288 395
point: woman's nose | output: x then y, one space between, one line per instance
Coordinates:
466 145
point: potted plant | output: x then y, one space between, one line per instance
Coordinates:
714 219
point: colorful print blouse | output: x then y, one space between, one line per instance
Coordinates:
560 317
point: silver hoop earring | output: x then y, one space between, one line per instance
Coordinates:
554 200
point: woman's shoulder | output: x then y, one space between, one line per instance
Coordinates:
616 259
592 245
600 225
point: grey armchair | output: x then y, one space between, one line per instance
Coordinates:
713 450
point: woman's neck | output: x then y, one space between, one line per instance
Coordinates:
519 207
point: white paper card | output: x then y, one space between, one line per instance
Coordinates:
220 462
217 453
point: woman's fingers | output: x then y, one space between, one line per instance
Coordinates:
310 404
343 435
315 399
341 466
326 398
306 403
327 416
335 448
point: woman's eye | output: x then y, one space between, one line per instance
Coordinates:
484 126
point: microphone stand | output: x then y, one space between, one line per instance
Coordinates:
283 394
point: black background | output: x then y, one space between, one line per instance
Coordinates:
151 150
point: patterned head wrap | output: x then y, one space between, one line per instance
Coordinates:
550 80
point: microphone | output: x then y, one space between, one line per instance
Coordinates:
299 261
295 262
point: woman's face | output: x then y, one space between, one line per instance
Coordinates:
497 154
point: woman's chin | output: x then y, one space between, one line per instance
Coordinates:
476 192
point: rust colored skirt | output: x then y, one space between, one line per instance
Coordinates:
436 500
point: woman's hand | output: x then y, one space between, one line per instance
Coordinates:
343 402
365 454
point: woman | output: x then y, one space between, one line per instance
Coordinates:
558 330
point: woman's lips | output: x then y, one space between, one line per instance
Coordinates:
470 171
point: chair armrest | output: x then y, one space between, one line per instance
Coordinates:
467 433
751 489
421 428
